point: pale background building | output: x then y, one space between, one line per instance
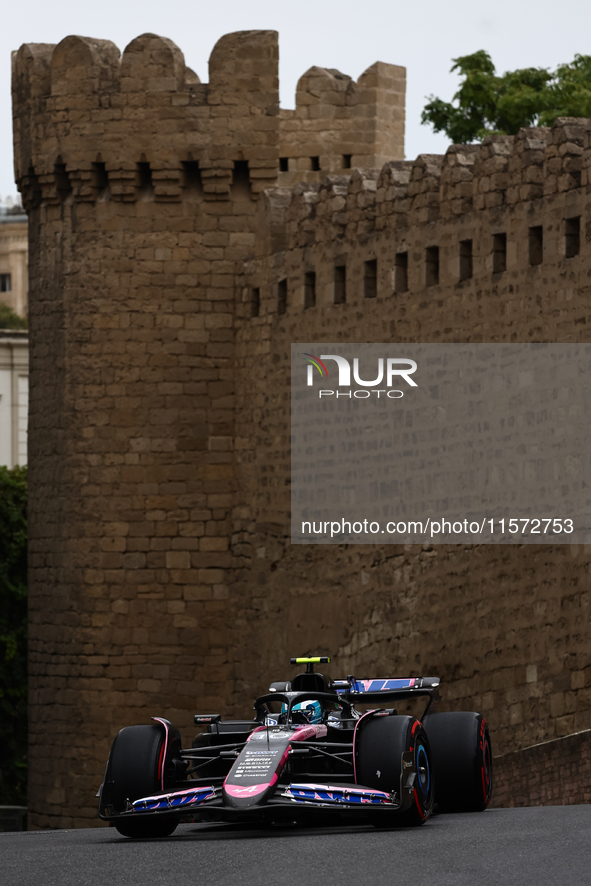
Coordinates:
14 344
14 396
13 257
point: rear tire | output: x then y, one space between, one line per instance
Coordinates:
462 760
134 768
382 742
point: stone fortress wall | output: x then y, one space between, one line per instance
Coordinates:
172 264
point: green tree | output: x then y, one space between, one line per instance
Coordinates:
9 319
486 103
13 635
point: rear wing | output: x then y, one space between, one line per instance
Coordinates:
387 689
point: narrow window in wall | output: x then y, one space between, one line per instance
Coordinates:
143 176
241 176
100 178
370 278
347 161
401 272
255 301
5 283
572 232
192 176
340 284
315 162
465 259
62 179
284 164
309 289
499 253
432 265
536 245
282 296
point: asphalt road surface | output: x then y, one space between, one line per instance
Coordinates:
542 845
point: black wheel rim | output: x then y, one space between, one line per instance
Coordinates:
424 782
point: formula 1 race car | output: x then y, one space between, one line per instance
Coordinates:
307 751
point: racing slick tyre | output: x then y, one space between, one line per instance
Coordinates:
382 741
462 760
134 768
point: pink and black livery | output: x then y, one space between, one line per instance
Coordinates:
307 749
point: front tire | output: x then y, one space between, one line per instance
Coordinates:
382 742
462 760
134 767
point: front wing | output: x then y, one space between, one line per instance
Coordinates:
207 802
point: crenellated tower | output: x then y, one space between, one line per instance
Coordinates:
339 123
141 185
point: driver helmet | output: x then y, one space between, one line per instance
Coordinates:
312 710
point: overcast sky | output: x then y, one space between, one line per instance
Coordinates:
346 34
